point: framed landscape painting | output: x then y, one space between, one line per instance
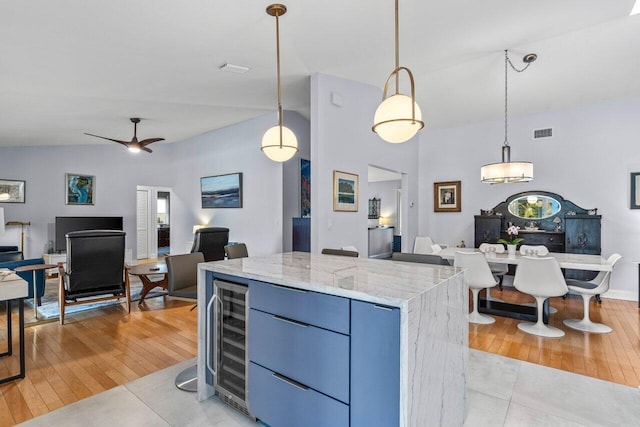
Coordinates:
11 191
446 196
305 188
80 189
221 191
345 192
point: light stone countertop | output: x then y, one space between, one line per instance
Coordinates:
378 281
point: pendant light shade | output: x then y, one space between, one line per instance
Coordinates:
389 122
398 117
279 143
279 148
507 171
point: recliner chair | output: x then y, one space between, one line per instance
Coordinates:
211 242
95 266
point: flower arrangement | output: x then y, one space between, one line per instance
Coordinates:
512 231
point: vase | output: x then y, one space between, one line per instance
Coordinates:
511 249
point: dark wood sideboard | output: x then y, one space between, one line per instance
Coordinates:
577 230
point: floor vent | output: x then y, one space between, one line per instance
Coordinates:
543 133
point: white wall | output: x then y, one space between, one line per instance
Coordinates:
291 177
117 173
178 166
341 139
588 161
386 191
235 148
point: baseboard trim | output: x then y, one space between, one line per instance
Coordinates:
622 295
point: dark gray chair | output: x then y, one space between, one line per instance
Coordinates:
340 252
211 242
421 258
238 250
95 266
182 277
182 274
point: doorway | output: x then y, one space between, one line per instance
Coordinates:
385 225
153 222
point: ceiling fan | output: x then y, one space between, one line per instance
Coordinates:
134 145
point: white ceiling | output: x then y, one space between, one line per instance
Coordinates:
74 66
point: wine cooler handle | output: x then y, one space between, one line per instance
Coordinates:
208 335
219 353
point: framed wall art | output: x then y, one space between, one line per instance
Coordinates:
221 191
447 196
12 191
635 190
80 189
345 192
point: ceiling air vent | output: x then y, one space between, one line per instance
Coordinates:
543 133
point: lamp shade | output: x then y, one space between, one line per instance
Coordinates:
1 220
505 172
274 149
393 121
197 227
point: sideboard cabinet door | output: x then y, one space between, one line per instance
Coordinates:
375 363
582 236
487 229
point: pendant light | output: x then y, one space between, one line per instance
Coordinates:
398 117
508 171
279 143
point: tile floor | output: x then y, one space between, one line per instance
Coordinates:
501 392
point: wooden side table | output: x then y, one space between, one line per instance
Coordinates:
33 268
13 288
143 271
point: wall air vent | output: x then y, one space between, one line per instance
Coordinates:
543 133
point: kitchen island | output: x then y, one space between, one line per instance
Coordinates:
344 341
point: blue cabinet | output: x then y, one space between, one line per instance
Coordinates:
322 360
375 365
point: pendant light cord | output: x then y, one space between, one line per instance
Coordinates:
278 75
397 50
508 61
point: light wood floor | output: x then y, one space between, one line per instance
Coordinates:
100 349
94 351
612 357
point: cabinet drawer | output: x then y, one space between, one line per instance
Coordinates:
279 402
325 311
312 356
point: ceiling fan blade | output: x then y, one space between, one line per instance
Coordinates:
109 139
148 150
149 141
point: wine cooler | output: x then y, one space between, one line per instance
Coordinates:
229 309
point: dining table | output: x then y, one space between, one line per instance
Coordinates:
571 261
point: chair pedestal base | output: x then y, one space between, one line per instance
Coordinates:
540 329
481 319
187 380
587 326
552 310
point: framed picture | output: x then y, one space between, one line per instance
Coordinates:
446 196
635 190
221 191
305 188
345 192
12 191
80 189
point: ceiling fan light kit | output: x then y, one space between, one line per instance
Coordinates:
279 143
134 145
398 117
507 171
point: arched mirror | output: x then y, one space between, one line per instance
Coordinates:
534 206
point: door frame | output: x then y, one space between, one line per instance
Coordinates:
152 211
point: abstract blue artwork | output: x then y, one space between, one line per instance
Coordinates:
80 189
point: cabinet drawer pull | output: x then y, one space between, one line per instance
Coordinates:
382 307
293 322
302 291
291 382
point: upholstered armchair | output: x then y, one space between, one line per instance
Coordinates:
95 269
211 242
